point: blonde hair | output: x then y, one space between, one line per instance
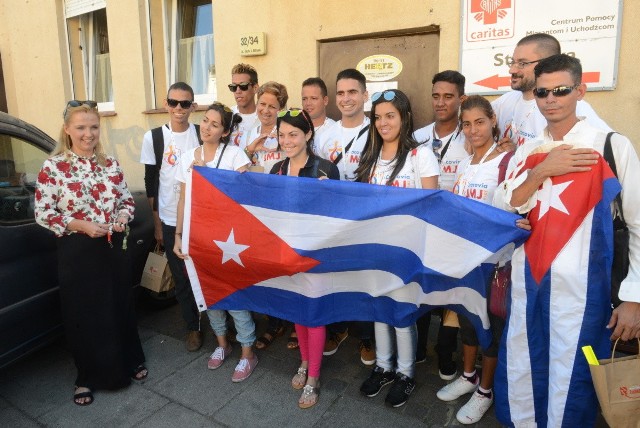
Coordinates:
276 89
64 142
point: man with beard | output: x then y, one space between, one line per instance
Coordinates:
519 119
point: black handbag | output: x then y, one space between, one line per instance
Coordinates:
620 266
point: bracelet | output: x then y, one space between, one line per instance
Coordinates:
178 233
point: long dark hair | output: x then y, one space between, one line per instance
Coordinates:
477 101
229 119
302 121
373 147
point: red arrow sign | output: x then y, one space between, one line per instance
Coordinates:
591 77
495 81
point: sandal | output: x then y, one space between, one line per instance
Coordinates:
299 379
139 373
269 336
86 394
309 396
292 343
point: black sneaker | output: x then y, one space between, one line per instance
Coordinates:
400 391
378 378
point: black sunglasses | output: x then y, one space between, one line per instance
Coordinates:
234 86
78 103
558 91
183 103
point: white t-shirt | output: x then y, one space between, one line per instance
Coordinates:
479 181
520 119
232 159
452 157
263 158
320 130
421 159
175 145
335 139
249 121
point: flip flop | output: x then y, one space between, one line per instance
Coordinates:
292 343
309 396
299 379
85 394
140 373
263 341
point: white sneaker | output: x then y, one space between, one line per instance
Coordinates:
457 388
475 409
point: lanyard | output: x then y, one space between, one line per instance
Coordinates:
465 179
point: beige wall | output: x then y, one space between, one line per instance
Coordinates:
33 44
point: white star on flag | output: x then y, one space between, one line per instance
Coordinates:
549 197
231 250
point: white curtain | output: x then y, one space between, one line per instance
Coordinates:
196 63
102 84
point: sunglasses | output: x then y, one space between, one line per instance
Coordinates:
558 91
222 106
388 95
243 86
78 103
521 64
183 103
295 112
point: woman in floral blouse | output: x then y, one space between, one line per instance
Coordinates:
82 197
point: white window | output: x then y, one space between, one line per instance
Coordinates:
89 53
191 47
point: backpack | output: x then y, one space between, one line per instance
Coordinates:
158 149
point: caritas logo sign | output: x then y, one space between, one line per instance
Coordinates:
490 20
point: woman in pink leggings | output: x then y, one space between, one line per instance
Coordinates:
295 138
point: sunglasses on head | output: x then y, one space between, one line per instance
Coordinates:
78 103
558 91
183 103
222 106
295 112
234 86
388 95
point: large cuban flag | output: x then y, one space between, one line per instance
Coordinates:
560 301
320 251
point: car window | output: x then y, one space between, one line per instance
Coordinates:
20 163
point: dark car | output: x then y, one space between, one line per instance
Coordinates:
29 299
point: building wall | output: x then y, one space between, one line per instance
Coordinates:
37 71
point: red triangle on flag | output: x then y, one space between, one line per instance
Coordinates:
563 203
219 222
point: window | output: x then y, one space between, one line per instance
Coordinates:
192 51
89 52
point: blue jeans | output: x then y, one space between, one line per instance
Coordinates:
245 327
399 342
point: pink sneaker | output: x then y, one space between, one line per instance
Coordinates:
244 369
217 358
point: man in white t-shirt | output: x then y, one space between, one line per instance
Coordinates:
162 149
444 135
519 119
244 85
315 99
342 144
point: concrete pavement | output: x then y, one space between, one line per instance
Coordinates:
181 392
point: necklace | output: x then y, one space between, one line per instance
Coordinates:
289 165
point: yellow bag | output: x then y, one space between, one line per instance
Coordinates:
617 384
157 275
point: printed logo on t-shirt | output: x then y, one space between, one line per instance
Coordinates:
172 155
238 137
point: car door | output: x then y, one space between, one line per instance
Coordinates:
29 301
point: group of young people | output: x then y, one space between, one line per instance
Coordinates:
464 151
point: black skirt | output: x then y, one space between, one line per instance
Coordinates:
98 310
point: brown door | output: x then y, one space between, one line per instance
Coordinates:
417 53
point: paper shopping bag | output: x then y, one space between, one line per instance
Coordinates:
157 275
617 384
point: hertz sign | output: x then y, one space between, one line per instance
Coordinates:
378 68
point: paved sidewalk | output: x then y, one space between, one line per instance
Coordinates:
181 392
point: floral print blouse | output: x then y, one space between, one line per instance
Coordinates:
73 187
